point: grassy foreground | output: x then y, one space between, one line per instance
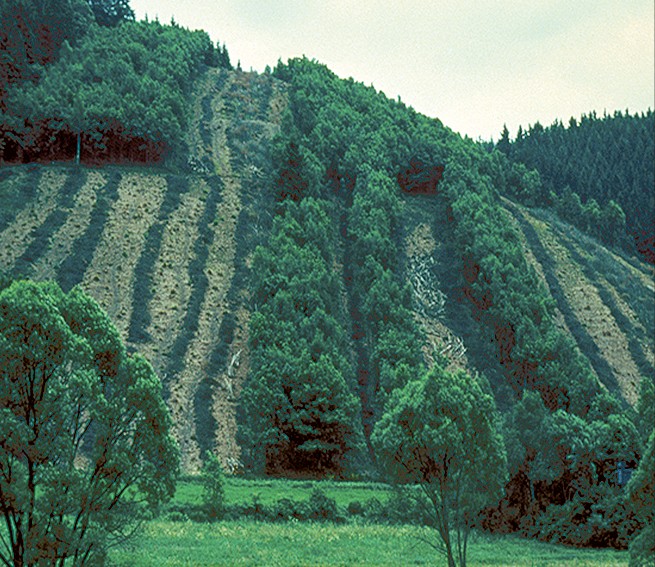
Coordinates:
164 543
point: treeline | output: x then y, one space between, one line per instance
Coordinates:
597 172
98 93
340 153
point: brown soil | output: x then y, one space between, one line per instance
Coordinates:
74 226
110 276
17 236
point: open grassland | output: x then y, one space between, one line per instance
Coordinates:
250 543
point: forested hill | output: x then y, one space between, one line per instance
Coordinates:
597 173
294 251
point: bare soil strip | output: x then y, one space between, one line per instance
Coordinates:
109 277
18 236
173 290
592 313
218 271
78 219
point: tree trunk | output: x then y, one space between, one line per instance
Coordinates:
79 144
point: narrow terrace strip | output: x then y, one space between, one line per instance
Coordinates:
53 222
72 269
77 219
585 342
634 335
173 289
19 187
176 186
109 279
15 240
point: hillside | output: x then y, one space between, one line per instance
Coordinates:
168 255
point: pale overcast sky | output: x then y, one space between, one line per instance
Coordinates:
474 65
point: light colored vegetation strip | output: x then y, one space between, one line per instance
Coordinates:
17 237
110 275
74 226
219 270
594 315
173 288
420 243
530 258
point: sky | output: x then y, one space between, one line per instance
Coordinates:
475 65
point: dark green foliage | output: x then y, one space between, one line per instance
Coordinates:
86 452
120 95
641 494
72 269
53 222
597 518
438 434
199 284
142 291
31 33
298 414
598 160
213 489
19 188
110 13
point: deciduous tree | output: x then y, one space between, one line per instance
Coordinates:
439 433
85 450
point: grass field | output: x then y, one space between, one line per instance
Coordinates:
251 543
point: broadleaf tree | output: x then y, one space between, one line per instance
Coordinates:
85 448
439 434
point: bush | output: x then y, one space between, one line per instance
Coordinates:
642 547
599 518
213 493
323 508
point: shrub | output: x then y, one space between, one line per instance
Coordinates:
213 482
322 508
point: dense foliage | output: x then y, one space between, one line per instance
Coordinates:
119 93
342 147
85 450
598 170
440 433
299 409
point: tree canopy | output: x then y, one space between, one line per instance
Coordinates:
439 432
85 449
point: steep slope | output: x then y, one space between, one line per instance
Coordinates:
168 255
164 254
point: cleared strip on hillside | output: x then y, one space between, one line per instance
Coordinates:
176 186
77 220
43 234
109 278
189 351
624 316
15 240
603 342
585 342
171 273
72 269
18 187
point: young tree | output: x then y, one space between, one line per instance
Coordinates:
213 487
439 433
85 450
